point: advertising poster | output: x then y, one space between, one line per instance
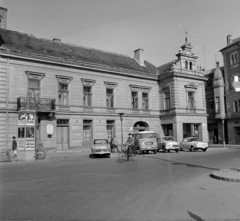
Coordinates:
30 120
30 143
22 119
21 144
29 132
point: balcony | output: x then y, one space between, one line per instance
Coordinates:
37 104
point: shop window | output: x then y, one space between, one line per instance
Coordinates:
145 101
87 130
110 129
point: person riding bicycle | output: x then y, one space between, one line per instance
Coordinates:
129 144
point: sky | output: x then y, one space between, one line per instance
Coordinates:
122 26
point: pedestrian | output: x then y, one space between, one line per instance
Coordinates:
114 144
14 147
129 144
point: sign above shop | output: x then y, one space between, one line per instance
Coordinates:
49 129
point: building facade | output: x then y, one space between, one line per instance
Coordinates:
232 88
63 96
182 96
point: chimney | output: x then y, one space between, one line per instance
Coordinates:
229 39
57 40
3 18
139 56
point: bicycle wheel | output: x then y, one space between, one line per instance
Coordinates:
41 154
7 157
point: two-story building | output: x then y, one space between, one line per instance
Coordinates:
65 95
182 96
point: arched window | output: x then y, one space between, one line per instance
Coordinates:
186 65
190 66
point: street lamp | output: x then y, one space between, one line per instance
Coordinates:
121 119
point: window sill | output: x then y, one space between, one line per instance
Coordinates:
234 65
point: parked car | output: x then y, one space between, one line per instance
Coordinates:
145 141
168 143
192 144
100 147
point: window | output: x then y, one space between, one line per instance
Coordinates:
234 58
109 98
63 90
186 65
190 66
33 88
236 106
210 106
217 103
167 100
87 96
110 129
134 100
62 94
87 130
191 101
145 101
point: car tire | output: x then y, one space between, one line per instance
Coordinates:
176 151
204 150
155 151
140 152
168 151
181 149
191 149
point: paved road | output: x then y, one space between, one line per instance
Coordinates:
165 186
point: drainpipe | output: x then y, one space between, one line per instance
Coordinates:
7 106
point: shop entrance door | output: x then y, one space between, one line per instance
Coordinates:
62 135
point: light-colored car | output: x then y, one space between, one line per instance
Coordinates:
192 144
145 141
100 147
168 143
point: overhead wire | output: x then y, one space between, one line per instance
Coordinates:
149 10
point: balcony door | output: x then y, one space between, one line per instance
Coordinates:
33 89
62 134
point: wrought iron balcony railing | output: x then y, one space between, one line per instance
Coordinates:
38 104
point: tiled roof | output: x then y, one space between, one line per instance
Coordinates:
20 42
165 67
234 41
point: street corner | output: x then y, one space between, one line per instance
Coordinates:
232 175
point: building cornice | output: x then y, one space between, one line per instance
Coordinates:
78 64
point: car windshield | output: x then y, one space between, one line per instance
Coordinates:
194 139
147 135
100 141
168 139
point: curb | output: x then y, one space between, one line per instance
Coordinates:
231 175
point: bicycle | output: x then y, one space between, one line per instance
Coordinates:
6 156
40 154
125 155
